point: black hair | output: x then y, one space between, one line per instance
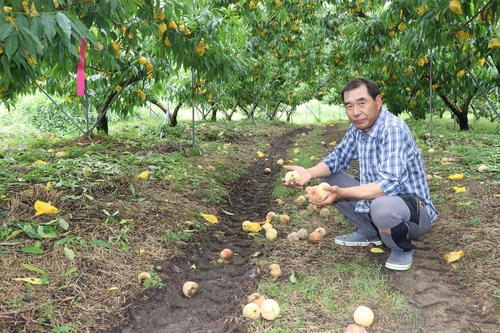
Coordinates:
371 86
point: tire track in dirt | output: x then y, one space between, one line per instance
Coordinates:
216 308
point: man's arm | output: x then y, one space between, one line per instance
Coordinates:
362 192
320 170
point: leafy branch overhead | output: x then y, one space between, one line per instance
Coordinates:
250 54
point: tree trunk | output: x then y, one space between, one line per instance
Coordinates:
102 123
245 111
173 118
162 107
229 115
214 113
461 113
273 114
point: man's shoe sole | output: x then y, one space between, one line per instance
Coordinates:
344 243
398 267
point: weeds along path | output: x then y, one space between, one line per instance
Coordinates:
216 308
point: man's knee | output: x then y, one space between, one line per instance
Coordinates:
388 212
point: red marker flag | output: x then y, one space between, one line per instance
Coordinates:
80 75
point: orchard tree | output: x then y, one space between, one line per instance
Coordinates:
130 48
410 46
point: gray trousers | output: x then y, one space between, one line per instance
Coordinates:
386 212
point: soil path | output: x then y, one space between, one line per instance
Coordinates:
432 287
217 306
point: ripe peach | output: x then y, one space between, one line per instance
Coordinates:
271 234
303 234
318 193
251 311
284 219
259 300
293 237
253 297
321 232
315 237
226 254
324 212
189 288
271 216
292 177
312 207
144 276
300 200
267 226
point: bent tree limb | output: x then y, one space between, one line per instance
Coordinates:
162 107
102 121
460 113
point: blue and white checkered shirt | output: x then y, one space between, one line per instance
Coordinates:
388 156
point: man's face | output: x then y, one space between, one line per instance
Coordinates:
361 109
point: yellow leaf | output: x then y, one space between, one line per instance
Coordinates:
457 176
461 73
44 208
453 256
260 154
251 226
210 218
113 288
458 189
48 186
40 162
144 175
29 280
333 143
376 250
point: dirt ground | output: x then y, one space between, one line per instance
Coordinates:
445 302
450 298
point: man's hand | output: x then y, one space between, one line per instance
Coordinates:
305 177
333 195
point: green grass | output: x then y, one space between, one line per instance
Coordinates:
330 286
334 291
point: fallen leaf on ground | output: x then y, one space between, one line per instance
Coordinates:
453 256
457 176
210 218
458 189
44 208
